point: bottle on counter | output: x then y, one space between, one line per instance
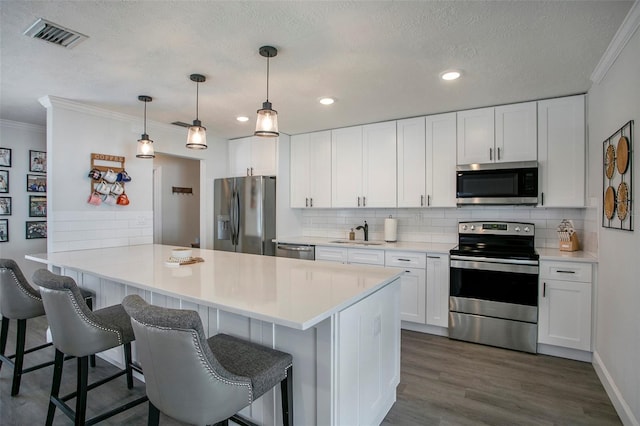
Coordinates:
352 234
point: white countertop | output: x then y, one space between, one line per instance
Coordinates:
289 292
399 246
573 256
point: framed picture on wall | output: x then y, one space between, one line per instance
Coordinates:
37 161
4 230
4 181
37 206
5 206
36 183
5 157
36 230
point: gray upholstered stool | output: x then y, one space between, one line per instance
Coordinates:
80 332
198 380
20 301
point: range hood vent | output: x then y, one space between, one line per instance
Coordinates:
54 33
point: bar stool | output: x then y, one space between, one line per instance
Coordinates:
20 301
80 332
198 380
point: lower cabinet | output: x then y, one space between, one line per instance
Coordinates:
564 308
412 283
437 290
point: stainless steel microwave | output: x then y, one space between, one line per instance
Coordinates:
497 183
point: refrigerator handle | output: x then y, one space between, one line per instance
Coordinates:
232 217
237 217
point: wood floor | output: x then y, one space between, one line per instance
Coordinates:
443 382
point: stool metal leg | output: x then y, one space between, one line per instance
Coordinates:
128 360
154 415
286 388
55 386
81 397
17 366
3 337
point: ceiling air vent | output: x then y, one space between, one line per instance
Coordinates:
181 124
54 33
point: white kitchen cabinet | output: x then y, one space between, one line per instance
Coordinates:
350 255
494 135
332 254
427 161
516 132
412 284
310 167
253 156
564 311
437 289
561 152
363 166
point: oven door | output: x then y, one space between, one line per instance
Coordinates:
498 288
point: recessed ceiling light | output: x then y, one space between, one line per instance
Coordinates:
450 75
326 101
242 118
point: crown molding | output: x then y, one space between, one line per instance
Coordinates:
22 126
620 39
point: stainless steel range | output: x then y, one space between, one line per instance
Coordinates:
494 285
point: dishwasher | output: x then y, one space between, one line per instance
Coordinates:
296 251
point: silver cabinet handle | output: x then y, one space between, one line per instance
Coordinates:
422 201
544 289
428 200
560 271
498 153
364 201
542 202
306 202
248 172
403 260
433 257
358 201
491 154
310 202
251 171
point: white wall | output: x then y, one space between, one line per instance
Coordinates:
74 131
21 138
611 103
180 212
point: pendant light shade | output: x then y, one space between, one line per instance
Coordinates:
145 145
267 123
197 135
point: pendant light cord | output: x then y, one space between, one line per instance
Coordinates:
145 117
268 56
197 96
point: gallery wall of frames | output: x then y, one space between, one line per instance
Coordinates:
31 187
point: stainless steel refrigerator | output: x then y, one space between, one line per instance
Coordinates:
245 214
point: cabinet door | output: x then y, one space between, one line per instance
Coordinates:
564 317
319 167
239 156
346 167
441 160
331 254
379 164
437 290
475 136
263 156
412 295
299 170
561 152
411 162
516 132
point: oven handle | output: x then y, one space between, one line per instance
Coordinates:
495 266
494 260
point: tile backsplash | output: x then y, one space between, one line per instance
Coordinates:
440 225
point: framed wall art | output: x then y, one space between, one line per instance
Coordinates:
37 161
36 183
4 181
5 206
617 183
5 157
36 230
4 230
37 206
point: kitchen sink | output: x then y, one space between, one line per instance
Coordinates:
358 243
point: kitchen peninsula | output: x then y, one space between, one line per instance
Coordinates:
340 322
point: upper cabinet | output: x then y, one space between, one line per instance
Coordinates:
363 166
561 152
426 161
497 134
311 170
253 156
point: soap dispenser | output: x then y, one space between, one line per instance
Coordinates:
352 234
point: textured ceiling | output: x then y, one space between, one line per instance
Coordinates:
380 60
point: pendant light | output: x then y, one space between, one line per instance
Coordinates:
145 145
267 124
197 136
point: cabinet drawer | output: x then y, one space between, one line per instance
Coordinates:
366 256
566 271
332 254
404 259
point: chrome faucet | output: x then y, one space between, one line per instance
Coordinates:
365 228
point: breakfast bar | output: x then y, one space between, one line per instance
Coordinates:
340 322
